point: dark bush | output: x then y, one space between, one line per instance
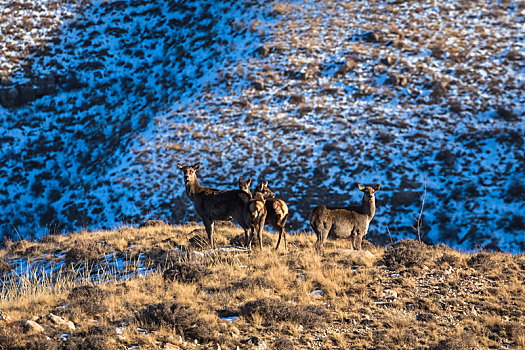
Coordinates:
198 242
251 282
405 254
237 240
11 336
186 272
283 343
152 223
84 251
183 319
98 337
5 266
89 300
483 261
41 342
463 341
274 310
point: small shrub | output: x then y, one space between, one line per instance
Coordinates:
237 240
283 343
182 318
83 251
198 242
5 266
98 337
11 336
41 343
251 282
463 341
274 310
187 272
405 254
88 299
480 261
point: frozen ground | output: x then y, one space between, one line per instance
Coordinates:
311 96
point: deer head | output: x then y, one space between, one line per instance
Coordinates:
369 191
189 171
263 189
245 185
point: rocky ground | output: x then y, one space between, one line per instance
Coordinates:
425 98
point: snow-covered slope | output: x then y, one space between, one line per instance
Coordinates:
311 96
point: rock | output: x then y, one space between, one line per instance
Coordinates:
8 96
439 90
360 254
507 114
389 294
33 327
60 321
26 93
370 37
259 85
397 79
45 85
348 66
388 61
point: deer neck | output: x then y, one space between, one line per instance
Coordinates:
259 196
369 207
193 187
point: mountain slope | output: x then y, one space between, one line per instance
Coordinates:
424 98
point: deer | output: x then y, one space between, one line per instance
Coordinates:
351 222
212 204
276 209
255 212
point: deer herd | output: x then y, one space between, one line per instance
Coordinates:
253 211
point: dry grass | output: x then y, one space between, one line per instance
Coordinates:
294 299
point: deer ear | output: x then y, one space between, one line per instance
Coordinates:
240 179
376 187
361 187
266 183
197 165
249 181
180 166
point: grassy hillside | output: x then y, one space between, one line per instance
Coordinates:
160 287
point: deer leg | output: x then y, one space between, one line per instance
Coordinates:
279 240
284 236
250 238
319 242
208 225
246 237
358 240
259 235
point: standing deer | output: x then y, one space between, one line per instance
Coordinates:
255 212
212 204
351 222
277 212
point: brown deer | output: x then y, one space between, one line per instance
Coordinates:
276 209
351 222
212 204
255 212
